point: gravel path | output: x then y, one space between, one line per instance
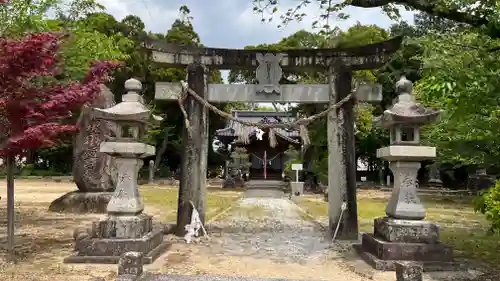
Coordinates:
273 228
268 226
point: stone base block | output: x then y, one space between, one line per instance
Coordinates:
233 183
408 271
405 251
122 226
297 188
408 231
79 202
390 265
109 250
435 183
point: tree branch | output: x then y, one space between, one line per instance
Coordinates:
427 6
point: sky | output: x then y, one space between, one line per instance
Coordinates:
232 23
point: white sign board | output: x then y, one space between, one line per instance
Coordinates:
297 167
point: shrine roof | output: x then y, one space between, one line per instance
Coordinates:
265 117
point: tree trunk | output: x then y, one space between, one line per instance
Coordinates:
10 208
30 156
161 151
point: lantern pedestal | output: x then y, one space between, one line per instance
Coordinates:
403 235
126 228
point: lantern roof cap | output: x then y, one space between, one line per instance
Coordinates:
406 111
131 108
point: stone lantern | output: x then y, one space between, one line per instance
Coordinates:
403 235
125 228
238 165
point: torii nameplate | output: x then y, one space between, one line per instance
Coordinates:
268 73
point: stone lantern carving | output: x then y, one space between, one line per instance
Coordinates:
238 167
125 228
403 235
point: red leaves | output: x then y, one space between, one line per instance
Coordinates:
32 103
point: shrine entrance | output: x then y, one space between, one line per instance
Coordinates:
264 161
339 92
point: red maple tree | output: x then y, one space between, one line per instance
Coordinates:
34 106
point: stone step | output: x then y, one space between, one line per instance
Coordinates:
266 184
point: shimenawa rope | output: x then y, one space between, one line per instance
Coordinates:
300 123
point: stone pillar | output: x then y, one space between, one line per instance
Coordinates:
404 202
125 227
151 167
192 184
126 199
341 159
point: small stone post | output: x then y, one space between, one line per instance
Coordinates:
151 167
403 235
125 226
435 177
130 263
408 271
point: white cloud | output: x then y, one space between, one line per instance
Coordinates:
232 23
155 17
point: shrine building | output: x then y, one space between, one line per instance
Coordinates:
267 163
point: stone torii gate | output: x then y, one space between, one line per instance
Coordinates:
339 63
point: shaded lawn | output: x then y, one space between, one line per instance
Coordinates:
165 200
460 227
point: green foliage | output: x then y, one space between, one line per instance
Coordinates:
463 81
27 170
488 203
20 16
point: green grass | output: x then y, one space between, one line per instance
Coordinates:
165 201
461 228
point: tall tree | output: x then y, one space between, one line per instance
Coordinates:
34 107
461 77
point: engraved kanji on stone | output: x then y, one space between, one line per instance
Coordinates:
130 263
268 73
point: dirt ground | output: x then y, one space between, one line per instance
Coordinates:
44 239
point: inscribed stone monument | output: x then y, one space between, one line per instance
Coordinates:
94 172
